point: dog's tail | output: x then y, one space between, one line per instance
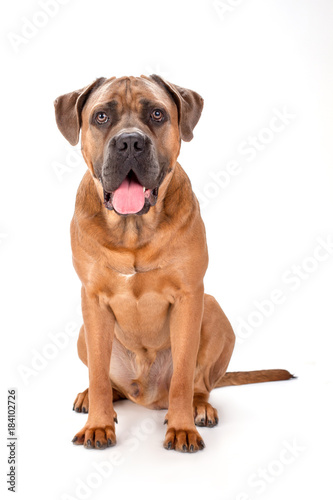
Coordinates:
253 377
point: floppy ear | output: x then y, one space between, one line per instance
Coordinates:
68 108
189 105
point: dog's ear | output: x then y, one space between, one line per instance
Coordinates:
68 109
189 105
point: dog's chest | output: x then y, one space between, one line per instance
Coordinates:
140 302
141 359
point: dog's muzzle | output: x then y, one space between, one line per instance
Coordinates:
133 164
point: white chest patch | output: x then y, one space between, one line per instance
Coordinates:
127 276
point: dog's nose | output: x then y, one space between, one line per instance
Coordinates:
130 143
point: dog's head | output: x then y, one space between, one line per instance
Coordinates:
131 130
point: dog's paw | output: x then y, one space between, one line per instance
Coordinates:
204 414
81 403
185 440
98 437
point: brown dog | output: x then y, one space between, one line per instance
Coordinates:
150 333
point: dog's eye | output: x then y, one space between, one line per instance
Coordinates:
101 117
157 115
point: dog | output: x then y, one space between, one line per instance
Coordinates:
150 334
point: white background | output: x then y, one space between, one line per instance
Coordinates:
258 56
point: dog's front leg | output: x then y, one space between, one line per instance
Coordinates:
99 321
185 326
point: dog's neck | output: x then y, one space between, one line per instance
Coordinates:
173 207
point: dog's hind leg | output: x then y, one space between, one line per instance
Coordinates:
217 342
81 403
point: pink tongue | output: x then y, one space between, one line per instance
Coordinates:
129 198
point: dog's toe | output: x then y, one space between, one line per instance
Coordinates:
81 403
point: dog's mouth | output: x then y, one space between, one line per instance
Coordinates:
130 197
